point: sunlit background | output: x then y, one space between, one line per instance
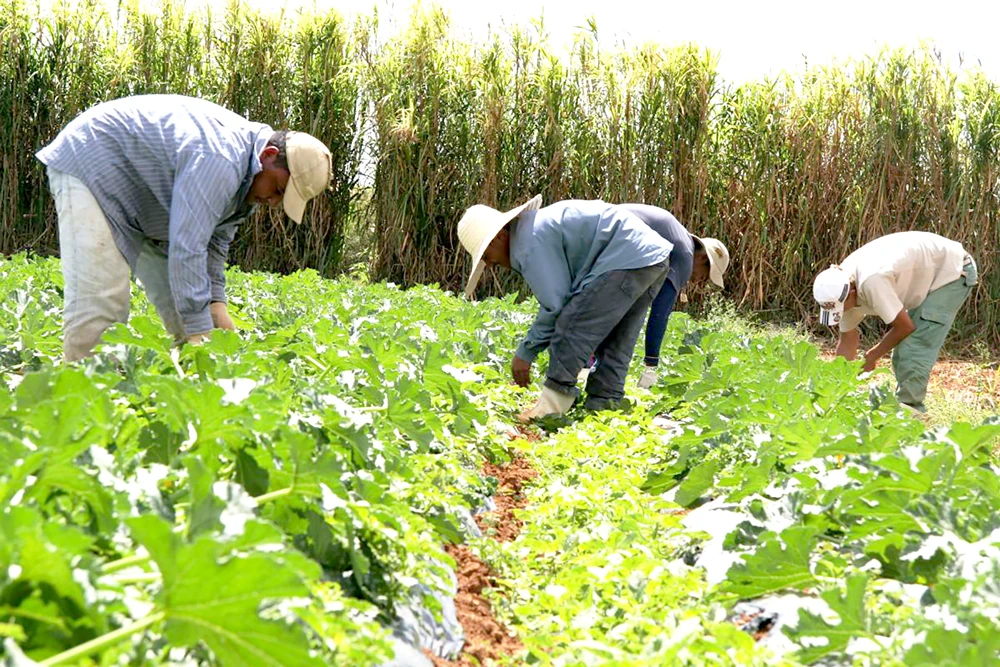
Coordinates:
752 39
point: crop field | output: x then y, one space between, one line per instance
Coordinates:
794 172
340 482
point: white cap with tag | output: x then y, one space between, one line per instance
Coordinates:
830 289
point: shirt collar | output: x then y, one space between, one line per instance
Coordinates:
259 143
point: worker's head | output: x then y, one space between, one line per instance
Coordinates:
498 251
295 167
711 259
835 292
485 234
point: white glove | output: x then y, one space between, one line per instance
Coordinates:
648 377
550 402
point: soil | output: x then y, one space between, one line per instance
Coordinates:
502 525
756 624
486 639
966 382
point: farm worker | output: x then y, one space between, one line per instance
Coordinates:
692 259
915 282
155 186
594 267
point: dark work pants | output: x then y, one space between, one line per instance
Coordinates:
604 319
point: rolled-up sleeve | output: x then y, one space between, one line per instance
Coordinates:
547 273
879 290
204 188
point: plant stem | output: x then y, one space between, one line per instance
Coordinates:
39 618
123 563
144 578
98 643
267 497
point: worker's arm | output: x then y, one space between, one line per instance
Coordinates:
218 252
847 346
901 327
204 186
547 273
879 290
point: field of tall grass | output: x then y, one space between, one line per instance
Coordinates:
793 173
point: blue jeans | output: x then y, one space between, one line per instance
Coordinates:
656 326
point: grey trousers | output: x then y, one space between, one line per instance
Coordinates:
605 320
96 275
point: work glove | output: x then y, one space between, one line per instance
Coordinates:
648 377
550 402
220 316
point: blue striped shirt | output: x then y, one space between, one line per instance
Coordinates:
172 169
562 248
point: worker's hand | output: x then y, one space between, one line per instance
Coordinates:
648 377
220 316
521 370
871 360
198 338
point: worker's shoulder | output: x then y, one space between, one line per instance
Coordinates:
576 210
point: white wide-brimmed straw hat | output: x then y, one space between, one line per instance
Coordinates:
478 227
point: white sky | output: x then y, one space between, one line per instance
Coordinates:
753 39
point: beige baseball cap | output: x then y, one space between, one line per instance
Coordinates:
310 168
478 227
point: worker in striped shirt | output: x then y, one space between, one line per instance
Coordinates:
155 186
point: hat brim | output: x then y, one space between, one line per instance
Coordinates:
294 205
474 278
831 316
714 273
478 265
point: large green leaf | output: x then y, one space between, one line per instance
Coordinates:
205 507
781 562
852 623
295 462
698 481
954 648
213 597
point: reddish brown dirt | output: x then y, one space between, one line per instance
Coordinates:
967 382
683 511
502 524
745 620
486 639
527 433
